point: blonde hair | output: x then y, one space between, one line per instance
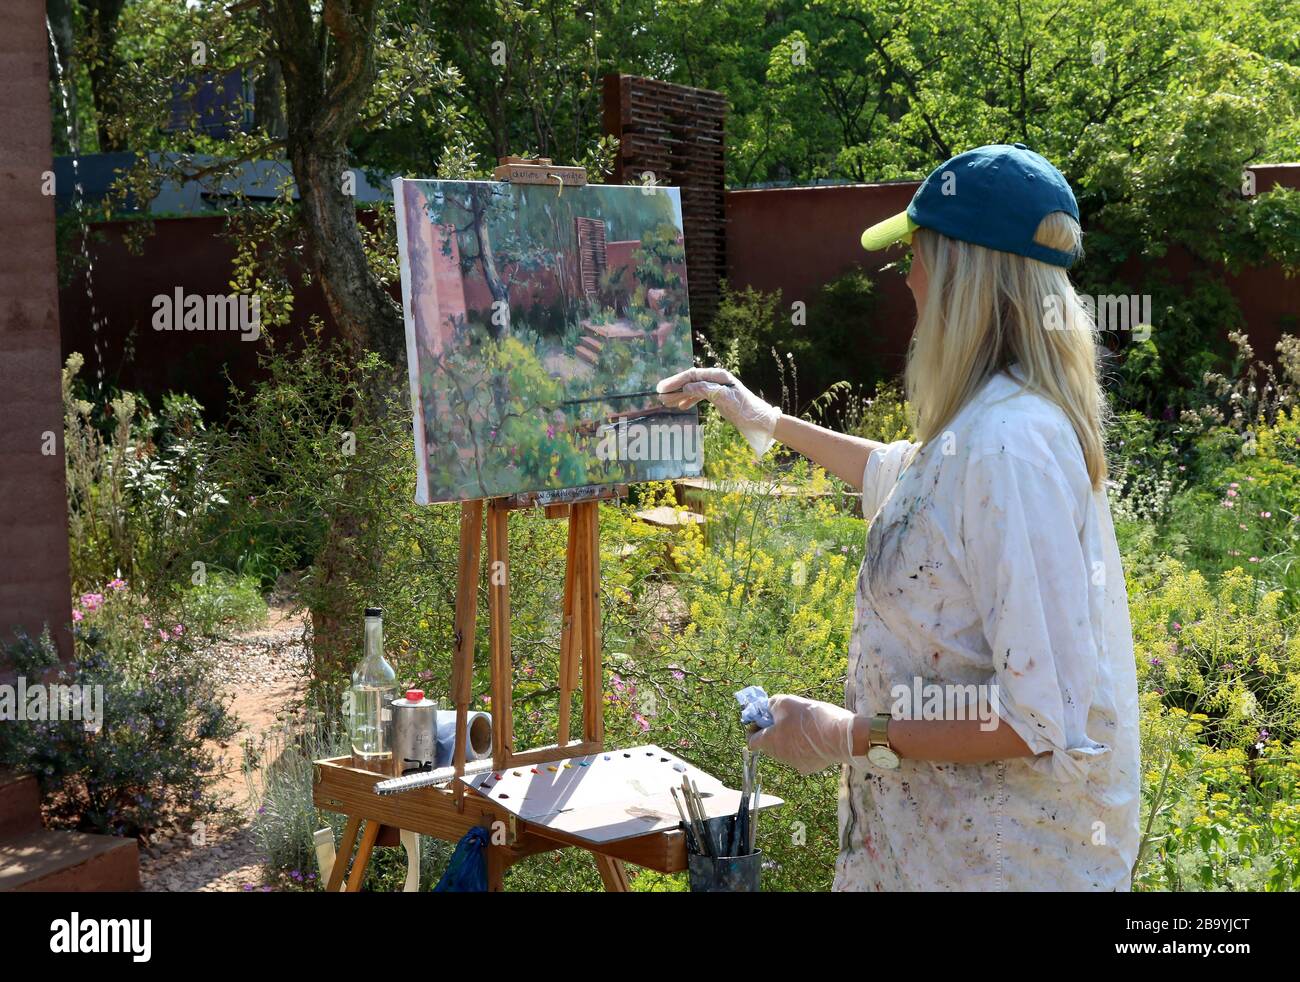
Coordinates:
985 309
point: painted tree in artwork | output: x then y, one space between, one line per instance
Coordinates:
477 205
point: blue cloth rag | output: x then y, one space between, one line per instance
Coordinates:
754 708
467 870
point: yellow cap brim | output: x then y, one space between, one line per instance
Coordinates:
899 228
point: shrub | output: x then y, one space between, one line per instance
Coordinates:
1228 651
1215 819
139 498
148 760
223 602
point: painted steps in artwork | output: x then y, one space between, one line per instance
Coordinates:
596 335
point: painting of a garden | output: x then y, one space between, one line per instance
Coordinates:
538 323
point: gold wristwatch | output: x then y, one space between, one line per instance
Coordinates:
879 752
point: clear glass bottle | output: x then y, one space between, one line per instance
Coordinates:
374 687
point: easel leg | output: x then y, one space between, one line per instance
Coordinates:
593 703
503 729
570 631
358 874
613 872
342 855
462 666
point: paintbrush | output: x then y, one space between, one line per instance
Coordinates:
636 395
690 826
704 819
740 825
695 804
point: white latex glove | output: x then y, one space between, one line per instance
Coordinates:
808 735
755 419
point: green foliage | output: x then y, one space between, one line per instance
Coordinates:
139 498
752 327
223 603
745 328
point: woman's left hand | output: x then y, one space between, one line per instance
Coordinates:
808 735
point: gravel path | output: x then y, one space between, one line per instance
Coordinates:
264 671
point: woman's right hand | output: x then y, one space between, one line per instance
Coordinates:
755 418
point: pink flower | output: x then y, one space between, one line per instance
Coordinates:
1266 514
1231 493
178 630
117 584
678 674
147 623
550 432
77 615
642 722
92 601
162 635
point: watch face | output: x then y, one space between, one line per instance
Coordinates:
883 757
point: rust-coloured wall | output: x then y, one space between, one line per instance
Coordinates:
788 239
183 252
797 239
34 587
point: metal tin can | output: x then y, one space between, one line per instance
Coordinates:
415 722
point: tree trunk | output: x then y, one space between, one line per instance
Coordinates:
369 319
328 70
268 100
328 74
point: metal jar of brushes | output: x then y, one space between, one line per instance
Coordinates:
720 853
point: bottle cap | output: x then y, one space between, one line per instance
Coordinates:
374 611
414 695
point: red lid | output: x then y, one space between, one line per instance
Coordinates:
414 695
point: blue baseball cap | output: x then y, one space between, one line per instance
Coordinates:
993 196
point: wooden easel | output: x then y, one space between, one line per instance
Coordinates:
448 812
580 655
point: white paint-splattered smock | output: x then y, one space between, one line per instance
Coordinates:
992 561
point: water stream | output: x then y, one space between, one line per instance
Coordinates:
78 204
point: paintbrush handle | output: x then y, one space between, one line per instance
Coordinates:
645 393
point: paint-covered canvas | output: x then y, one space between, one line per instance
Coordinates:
538 322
